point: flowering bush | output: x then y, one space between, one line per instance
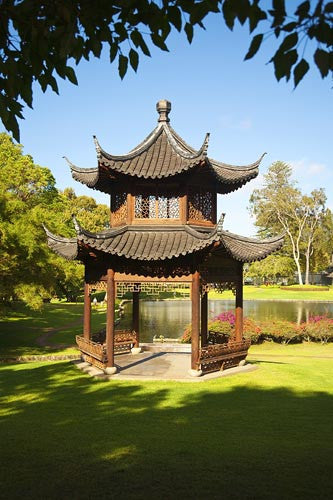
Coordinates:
227 316
281 331
252 331
318 328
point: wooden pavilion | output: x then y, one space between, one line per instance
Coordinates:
163 230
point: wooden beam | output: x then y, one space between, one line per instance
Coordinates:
204 318
86 312
195 320
136 315
239 307
110 317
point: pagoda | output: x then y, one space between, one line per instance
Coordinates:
163 231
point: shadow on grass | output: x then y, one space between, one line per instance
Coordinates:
64 435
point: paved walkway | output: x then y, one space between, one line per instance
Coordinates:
157 366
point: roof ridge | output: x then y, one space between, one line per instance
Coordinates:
248 239
134 152
251 166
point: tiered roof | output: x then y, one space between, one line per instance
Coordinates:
163 155
144 244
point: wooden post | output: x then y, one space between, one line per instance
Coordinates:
239 308
110 318
136 315
86 312
204 318
195 320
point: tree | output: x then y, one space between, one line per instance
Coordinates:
27 190
314 209
38 38
29 271
272 267
280 206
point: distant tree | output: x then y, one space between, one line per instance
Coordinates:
27 191
29 271
280 206
91 215
38 38
272 268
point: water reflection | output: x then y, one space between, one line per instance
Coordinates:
169 318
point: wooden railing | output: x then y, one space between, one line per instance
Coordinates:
95 352
221 356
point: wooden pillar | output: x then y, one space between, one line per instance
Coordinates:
136 314
239 308
195 320
204 318
86 313
111 289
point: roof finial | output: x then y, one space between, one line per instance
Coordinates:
163 108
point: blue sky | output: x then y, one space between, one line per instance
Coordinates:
212 90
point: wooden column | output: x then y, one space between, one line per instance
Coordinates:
111 289
195 320
136 315
239 307
86 313
204 318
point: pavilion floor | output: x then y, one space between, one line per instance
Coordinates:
157 364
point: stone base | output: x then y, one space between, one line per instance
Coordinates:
136 350
110 370
242 363
195 373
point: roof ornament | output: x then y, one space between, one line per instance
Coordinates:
163 108
97 146
76 225
219 227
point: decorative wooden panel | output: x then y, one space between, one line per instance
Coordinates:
151 206
119 208
201 206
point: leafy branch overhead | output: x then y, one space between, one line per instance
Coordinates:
40 40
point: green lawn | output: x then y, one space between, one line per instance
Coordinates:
275 293
266 434
20 330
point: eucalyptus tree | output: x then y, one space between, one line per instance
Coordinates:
280 206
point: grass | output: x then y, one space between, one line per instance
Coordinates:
275 293
261 435
20 330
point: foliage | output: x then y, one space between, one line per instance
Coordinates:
280 206
228 316
280 331
272 267
252 331
29 271
39 38
318 328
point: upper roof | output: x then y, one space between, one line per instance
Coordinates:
163 154
161 243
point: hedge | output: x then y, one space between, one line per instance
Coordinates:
317 329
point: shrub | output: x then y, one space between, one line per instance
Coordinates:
227 316
281 331
318 329
252 331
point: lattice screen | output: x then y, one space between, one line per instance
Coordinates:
153 206
119 207
154 289
201 205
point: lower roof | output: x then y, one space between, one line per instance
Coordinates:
160 243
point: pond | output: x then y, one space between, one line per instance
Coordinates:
169 317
